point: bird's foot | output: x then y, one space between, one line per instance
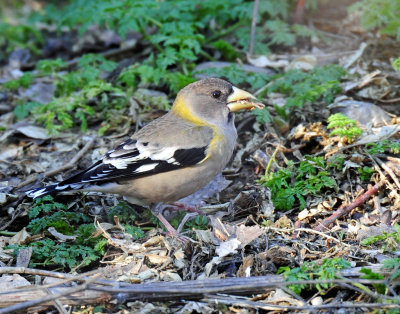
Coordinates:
171 230
158 212
187 208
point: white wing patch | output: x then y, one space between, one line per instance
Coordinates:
145 168
37 193
163 154
147 151
61 187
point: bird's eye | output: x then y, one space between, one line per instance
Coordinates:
216 94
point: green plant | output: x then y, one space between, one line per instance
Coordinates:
390 240
126 215
383 146
179 34
301 87
85 249
199 222
79 94
24 81
135 232
20 36
82 252
392 264
237 76
328 269
272 28
295 183
379 14
50 67
369 274
366 173
24 109
179 26
97 98
396 64
343 127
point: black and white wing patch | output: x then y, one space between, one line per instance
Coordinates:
134 159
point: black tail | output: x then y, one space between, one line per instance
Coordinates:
53 189
76 182
39 192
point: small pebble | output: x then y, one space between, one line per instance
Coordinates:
317 301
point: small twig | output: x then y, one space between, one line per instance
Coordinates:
272 159
67 166
253 27
242 285
53 274
389 101
191 290
52 297
298 17
345 209
270 307
320 234
59 306
16 214
378 169
388 170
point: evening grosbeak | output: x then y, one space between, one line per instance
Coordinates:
172 156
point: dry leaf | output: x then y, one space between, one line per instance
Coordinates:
158 260
22 237
10 282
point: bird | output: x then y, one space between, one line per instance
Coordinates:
171 157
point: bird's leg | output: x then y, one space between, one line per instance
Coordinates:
186 208
157 211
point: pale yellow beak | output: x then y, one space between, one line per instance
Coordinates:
241 99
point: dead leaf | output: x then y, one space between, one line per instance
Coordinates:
281 255
22 237
304 63
204 236
11 282
246 267
227 247
158 260
24 257
170 276
349 61
196 307
281 297
378 134
264 61
39 92
246 234
33 131
59 236
11 152
284 222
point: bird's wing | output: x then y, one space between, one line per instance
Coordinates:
143 156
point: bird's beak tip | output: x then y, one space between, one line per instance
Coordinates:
241 99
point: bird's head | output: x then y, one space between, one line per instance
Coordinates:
211 100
